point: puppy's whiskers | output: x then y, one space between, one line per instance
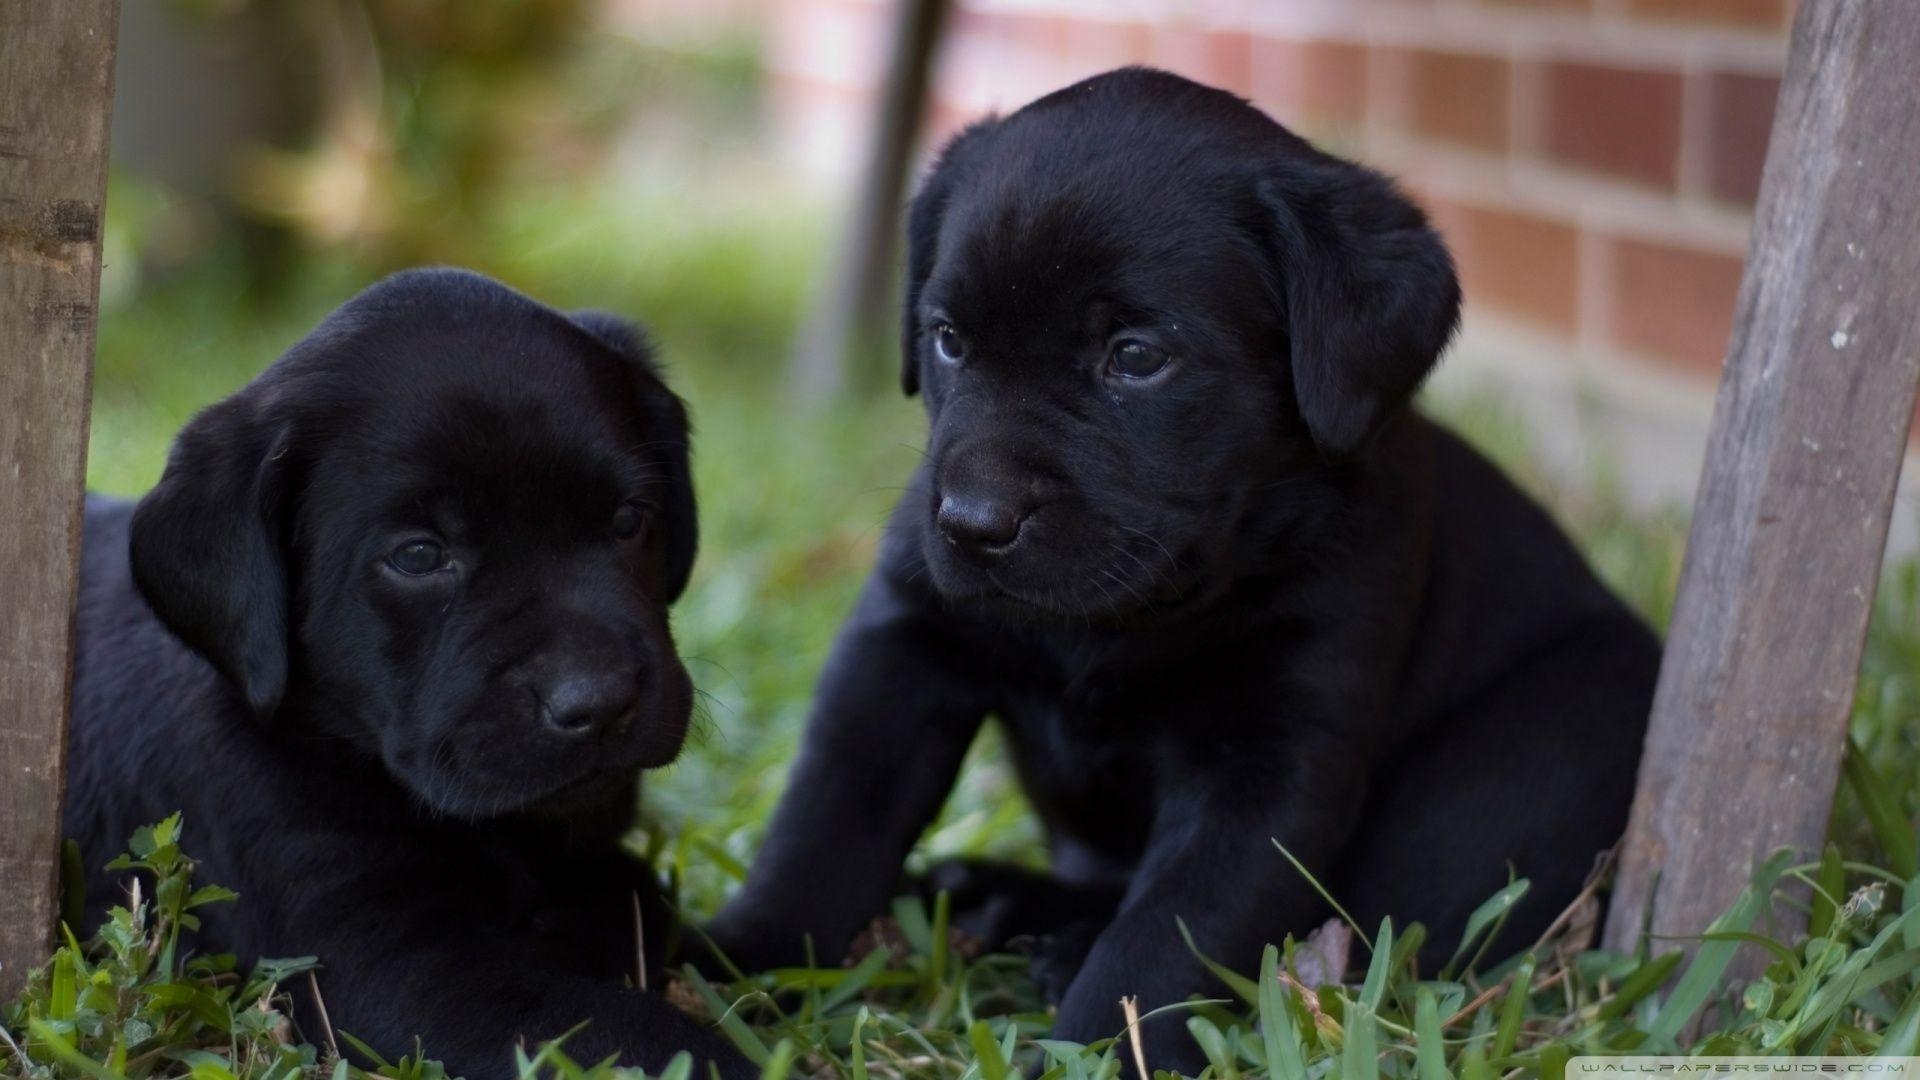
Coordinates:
1138 597
651 444
1151 539
703 697
1095 582
725 672
1135 556
440 770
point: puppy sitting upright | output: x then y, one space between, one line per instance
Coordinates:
406 654
1179 532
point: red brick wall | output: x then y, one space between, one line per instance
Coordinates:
1592 162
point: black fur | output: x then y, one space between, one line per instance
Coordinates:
423 780
1250 598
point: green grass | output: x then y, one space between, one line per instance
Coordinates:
792 508
136 1003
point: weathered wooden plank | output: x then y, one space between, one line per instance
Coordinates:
1750 718
854 303
56 79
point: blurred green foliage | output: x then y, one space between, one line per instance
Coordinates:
423 121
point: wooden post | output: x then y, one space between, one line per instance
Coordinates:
56 96
1809 429
853 305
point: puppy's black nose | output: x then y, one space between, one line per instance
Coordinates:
981 528
582 705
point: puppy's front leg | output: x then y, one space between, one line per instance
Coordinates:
892 721
1210 862
468 994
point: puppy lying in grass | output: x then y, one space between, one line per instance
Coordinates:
392 632
1179 531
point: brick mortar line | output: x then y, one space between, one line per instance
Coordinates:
1563 194
1575 196
1528 362
1694 163
1691 69
1621 40
1654 385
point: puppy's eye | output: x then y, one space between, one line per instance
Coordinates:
416 558
628 521
948 342
1134 359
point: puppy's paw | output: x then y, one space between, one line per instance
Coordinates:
983 898
726 947
969 882
1056 958
1000 902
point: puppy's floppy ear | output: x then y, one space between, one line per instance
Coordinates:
1370 294
667 422
924 216
206 545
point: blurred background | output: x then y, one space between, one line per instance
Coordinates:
1593 164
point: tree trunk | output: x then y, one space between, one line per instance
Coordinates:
1809 430
56 93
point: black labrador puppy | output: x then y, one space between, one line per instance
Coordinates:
1179 531
392 632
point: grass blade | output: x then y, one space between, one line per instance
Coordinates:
1831 886
857 1047
857 979
1235 981
911 914
1379 969
1881 805
1780 952
1429 1048
781 1062
1214 1045
986 1051
67 1053
1909 900
1277 1029
1495 908
736 1029
1360 1055
1711 961
1507 1035
941 944
1902 1037
1324 894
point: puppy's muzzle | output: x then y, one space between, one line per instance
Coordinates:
585 705
979 527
